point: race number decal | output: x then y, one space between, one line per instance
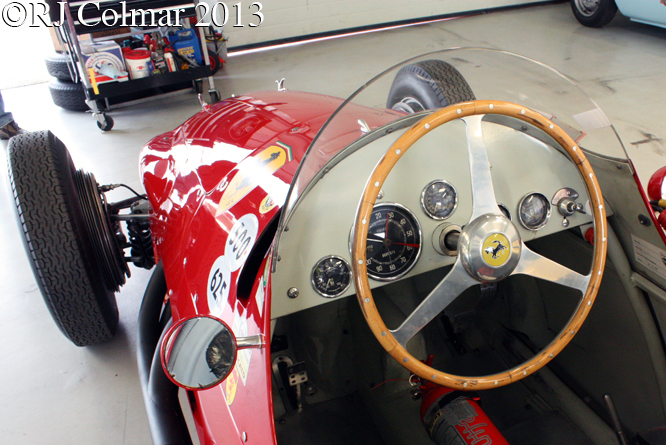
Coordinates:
241 239
219 279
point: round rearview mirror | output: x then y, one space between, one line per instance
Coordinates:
199 353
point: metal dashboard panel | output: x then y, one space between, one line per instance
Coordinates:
322 224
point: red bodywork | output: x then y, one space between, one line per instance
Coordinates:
224 155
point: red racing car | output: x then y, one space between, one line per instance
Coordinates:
458 253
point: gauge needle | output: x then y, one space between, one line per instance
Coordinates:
387 221
375 237
407 244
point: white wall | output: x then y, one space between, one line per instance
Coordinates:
291 18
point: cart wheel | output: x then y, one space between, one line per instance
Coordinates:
215 63
72 248
108 123
214 96
197 85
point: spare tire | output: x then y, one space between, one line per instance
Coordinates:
67 95
56 239
58 66
428 85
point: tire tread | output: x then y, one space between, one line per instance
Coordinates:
52 239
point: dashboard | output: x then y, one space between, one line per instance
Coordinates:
426 197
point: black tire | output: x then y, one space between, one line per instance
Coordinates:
67 95
214 96
427 85
594 14
57 66
49 214
107 125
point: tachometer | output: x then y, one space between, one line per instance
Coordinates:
331 276
439 199
534 211
394 242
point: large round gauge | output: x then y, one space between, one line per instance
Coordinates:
534 211
439 199
331 276
393 243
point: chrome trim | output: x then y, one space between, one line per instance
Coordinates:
253 341
520 215
471 252
455 203
349 273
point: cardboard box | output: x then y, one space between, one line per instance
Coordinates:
99 56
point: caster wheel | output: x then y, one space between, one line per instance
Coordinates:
107 125
197 86
214 96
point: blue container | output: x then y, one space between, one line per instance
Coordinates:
186 45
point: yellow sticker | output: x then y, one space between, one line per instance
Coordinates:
250 171
232 384
496 250
267 205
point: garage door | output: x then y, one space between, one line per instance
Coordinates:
282 19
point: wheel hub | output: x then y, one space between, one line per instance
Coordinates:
587 7
490 247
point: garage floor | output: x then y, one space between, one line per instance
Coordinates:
52 392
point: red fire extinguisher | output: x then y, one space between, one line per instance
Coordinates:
455 418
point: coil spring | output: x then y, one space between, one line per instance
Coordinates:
140 240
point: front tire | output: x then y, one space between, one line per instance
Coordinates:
594 13
428 85
41 174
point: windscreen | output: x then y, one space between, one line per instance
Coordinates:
489 74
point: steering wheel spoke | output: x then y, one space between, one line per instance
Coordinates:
537 266
483 192
451 286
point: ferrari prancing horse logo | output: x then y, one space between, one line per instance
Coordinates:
496 250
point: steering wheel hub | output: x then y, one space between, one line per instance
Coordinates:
490 248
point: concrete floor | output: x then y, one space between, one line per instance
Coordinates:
52 392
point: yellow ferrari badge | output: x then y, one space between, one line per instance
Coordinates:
496 250
249 173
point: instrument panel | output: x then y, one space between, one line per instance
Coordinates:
427 191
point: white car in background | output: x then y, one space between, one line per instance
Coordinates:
598 13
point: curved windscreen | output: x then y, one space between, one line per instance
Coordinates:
490 75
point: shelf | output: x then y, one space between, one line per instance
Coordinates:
113 89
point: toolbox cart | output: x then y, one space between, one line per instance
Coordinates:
69 27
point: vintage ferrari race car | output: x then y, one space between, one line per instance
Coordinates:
379 270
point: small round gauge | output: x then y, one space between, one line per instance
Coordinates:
331 276
534 211
439 199
393 243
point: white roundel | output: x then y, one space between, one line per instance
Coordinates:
219 279
241 239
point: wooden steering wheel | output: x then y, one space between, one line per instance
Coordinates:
487 226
